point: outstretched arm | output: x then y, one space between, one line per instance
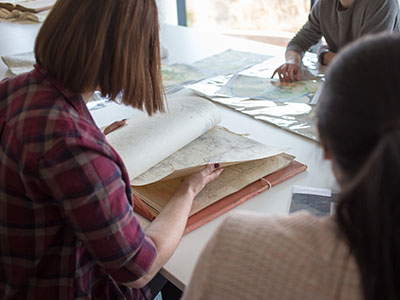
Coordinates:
167 229
308 35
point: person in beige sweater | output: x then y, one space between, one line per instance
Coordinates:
354 254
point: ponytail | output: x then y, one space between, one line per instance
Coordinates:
368 216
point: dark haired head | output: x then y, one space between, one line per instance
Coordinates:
361 98
359 124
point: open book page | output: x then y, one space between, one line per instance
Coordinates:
218 145
233 179
145 141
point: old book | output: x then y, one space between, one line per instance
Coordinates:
32 6
222 205
160 151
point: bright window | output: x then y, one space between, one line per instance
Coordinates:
247 15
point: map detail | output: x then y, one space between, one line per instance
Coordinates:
270 89
218 145
176 75
229 62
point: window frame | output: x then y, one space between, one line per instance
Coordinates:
181 6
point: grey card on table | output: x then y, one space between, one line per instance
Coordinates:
318 201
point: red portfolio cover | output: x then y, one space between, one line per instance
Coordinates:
225 204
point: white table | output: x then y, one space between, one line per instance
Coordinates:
187 46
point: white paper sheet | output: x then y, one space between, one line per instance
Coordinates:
145 141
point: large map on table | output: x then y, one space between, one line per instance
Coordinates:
290 106
269 89
176 75
230 62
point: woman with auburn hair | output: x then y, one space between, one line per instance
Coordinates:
67 227
354 254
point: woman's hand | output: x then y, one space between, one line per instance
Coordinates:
197 181
114 126
289 72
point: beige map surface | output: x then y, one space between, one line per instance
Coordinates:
232 179
176 143
218 145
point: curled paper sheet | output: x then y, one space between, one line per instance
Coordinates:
5 14
218 145
19 63
18 15
145 141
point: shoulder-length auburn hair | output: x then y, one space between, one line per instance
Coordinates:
110 45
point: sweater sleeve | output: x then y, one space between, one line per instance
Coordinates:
309 34
381 16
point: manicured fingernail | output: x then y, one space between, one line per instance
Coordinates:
217 165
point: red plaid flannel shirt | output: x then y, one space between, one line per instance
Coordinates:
67 228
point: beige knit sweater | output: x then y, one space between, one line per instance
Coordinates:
257 257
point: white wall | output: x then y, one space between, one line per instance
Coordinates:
167 11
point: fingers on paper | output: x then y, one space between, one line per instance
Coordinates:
211 172
288 72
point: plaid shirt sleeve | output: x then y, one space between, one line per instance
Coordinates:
86 181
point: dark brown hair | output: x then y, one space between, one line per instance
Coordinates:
359 122
110 45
